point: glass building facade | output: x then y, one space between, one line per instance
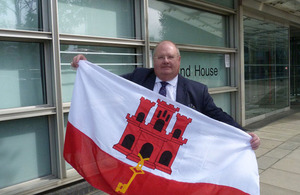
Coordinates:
266 53
243 59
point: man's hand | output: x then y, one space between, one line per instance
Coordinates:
76 59
255 141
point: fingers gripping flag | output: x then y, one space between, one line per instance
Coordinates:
125 139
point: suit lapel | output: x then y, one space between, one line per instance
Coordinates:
181 94
150 81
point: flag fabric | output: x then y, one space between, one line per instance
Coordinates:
125 139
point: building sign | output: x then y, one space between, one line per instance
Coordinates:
199 71
207 68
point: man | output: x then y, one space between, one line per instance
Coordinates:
165 75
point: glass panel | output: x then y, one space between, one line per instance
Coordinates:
24 149
206 68
186 25
21 74
266 67
68 166
224 3
22 14
116 60
295 65
222 100
108 18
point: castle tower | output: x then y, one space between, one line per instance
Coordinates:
179 127
162 117
132 131
151 140
170 148
142 111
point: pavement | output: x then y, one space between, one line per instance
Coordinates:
278 156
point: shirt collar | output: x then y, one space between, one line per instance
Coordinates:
172 82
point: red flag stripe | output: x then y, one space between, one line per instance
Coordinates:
104 172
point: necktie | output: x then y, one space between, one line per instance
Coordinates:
163 90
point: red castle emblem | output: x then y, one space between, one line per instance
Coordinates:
151 140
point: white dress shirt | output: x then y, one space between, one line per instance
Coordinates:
171 87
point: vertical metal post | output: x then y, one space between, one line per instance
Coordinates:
57 91
146 35
241 64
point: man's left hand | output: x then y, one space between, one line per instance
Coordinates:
255 141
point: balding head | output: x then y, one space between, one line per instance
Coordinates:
166 60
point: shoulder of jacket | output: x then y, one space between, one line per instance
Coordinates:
143 70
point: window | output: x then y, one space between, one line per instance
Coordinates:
194 31
186 25
159 124
24 15
22 79
266 66
25 150
68 166
165 158
222 100
225 3
107 18
177 133
128 141
146 150
114 59
207 68
140 117
164 114
159 113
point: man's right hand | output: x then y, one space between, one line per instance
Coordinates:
76 59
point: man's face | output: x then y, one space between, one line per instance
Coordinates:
166 61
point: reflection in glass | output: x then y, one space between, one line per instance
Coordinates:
68 166
113 59
22 14
25 150
108 18
225 3
266 67
295 65
22 81
222 100
206 68
185 25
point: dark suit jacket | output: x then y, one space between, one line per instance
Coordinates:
189 93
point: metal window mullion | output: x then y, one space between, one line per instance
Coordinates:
49 72
138 20
57 96
100 53
205 6
25 112
241 71
226 89
233 70
22 35
200 48
93 40
146 35
138 25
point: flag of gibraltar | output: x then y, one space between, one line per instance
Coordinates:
125 139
